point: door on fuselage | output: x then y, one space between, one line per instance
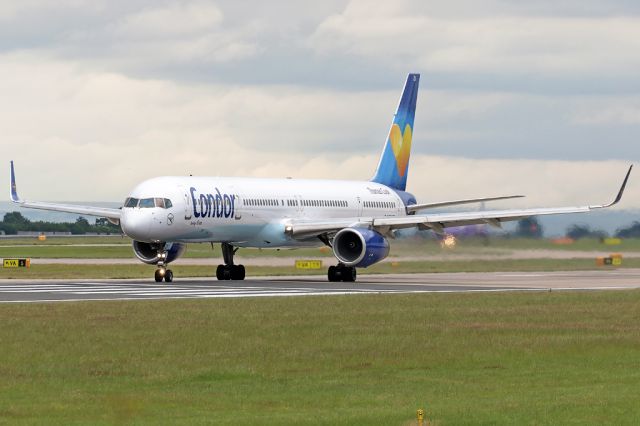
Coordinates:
187 204
239 206
299 206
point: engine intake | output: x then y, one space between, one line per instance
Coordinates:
359 247
152 253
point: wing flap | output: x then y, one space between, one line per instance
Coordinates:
439 221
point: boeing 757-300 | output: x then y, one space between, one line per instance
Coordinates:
355 218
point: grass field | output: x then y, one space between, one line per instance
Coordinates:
120 248
117 247
507 358
60 271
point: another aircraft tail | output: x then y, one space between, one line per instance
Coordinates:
394 161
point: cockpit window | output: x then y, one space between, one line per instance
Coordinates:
163 203
131 202
146 203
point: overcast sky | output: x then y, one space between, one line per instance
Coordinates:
537 98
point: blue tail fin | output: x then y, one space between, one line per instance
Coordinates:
394 161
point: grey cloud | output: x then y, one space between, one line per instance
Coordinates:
271 78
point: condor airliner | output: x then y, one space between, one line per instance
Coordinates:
355 218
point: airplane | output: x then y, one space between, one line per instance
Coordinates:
355 218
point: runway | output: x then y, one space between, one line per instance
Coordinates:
23 291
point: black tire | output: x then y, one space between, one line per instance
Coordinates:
159 275
238 272
168 276
226 272
332 274
220 272
349 274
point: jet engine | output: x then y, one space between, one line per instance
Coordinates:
359 247
152 253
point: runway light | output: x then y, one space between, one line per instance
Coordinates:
449 241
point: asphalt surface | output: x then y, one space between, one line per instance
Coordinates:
24 291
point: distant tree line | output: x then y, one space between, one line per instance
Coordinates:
576 232
14 222
632 231
584 231
530 227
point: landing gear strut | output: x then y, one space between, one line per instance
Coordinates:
229 271
342 273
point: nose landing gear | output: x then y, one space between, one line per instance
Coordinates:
163 273
229 271
342 272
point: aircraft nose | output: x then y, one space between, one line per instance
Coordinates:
136 224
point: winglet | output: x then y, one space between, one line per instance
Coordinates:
620 192
14 191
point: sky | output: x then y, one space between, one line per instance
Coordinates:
536 98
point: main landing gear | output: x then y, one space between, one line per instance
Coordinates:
229 271
342 273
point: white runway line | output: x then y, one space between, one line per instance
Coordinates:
127 291
103 290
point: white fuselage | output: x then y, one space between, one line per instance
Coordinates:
248 212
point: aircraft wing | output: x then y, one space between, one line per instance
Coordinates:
439 221
416 207
112 214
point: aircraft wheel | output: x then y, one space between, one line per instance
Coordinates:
333 274
349 274
237 272
168 275
220 272
159 275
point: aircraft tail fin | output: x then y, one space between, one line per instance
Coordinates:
394 161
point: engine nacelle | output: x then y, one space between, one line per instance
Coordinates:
359 247
152 253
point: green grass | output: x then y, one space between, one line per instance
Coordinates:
120 247
62 271
58 240
508 358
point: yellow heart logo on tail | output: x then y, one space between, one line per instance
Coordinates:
401 145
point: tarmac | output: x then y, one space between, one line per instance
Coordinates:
34 291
